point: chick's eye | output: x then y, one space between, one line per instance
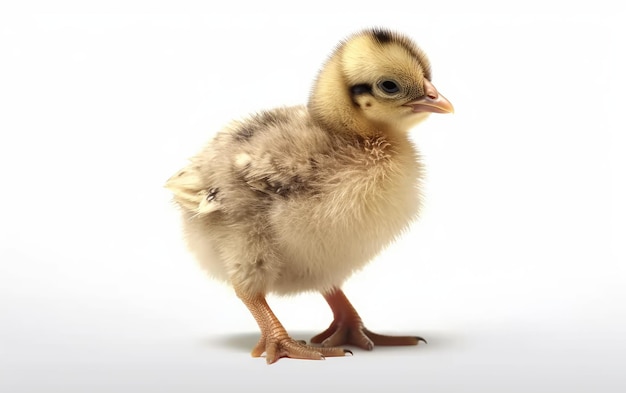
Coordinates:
389 86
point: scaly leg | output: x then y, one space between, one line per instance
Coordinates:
275 341
347 327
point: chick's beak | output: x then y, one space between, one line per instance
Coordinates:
431 102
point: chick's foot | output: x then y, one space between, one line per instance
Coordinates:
277 346
275 342
347 328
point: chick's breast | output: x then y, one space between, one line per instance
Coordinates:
277 204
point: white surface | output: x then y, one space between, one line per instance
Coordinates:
515 273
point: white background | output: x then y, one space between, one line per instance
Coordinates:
515 273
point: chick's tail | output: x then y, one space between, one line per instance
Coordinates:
190 192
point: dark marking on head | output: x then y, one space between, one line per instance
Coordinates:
382 36
368 104
362 88
358 90
386 37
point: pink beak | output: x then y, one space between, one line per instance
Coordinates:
431 102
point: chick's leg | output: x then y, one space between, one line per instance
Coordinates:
347 327
275 341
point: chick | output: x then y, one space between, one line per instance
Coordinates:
298 198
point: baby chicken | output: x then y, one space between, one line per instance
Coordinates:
297 199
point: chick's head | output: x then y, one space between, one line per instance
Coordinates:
386 81
389 78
